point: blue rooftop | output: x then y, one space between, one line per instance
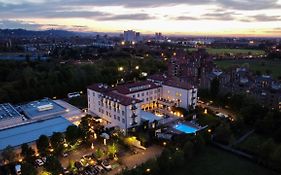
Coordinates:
31 109
31 132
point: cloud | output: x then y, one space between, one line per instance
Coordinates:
15 24
265 18
249 4
138 16
185 18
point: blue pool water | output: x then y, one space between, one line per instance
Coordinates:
185 128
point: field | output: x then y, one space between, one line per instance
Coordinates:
273 67
215 51
217 162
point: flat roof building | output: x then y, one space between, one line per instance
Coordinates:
30 132
9 115
44 108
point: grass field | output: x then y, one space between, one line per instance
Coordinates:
215 51
274 67
217 162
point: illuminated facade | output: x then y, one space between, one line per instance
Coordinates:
121 106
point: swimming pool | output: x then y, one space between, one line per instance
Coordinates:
185 128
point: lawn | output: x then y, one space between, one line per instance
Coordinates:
216 51
214 161
254 65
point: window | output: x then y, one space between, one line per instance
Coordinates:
133 96
123 113
123 120
142 94
146 93
115 117
118 118
138 95
146 99
93 94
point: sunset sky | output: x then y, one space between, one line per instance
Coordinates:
181 17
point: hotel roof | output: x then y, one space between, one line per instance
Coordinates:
120 98
130 88
30 132
178 84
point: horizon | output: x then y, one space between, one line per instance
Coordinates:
211 18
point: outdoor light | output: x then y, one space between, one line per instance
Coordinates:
164 143
92 146
148 170
209 130
123 43
104 141
120 68
137 67
205 111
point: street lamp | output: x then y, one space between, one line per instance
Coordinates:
137 67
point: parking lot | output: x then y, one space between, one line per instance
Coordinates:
127 159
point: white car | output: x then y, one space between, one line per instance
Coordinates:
106 165
18 169
39 162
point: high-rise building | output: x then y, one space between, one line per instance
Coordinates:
129 36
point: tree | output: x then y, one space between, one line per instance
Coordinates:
27 153
43 144
188 150
28 169
223 134
112 150
53 165
267 148
215 87
8 154
72 134
57 141
99 153
276 157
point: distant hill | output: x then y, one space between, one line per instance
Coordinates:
4 33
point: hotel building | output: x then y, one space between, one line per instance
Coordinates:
124 105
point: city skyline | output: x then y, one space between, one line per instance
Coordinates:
205 17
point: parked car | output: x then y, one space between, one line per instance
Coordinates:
99 168
44 159
39 162
64 154
105 164
78 165
18 169
73 94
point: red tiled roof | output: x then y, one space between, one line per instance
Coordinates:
99 87
122 99
178 84
136 87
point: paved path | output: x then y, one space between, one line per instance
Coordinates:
241 139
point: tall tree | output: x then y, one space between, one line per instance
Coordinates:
28 169
215 87
72 134
53 165
8 154
43 144
27 153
